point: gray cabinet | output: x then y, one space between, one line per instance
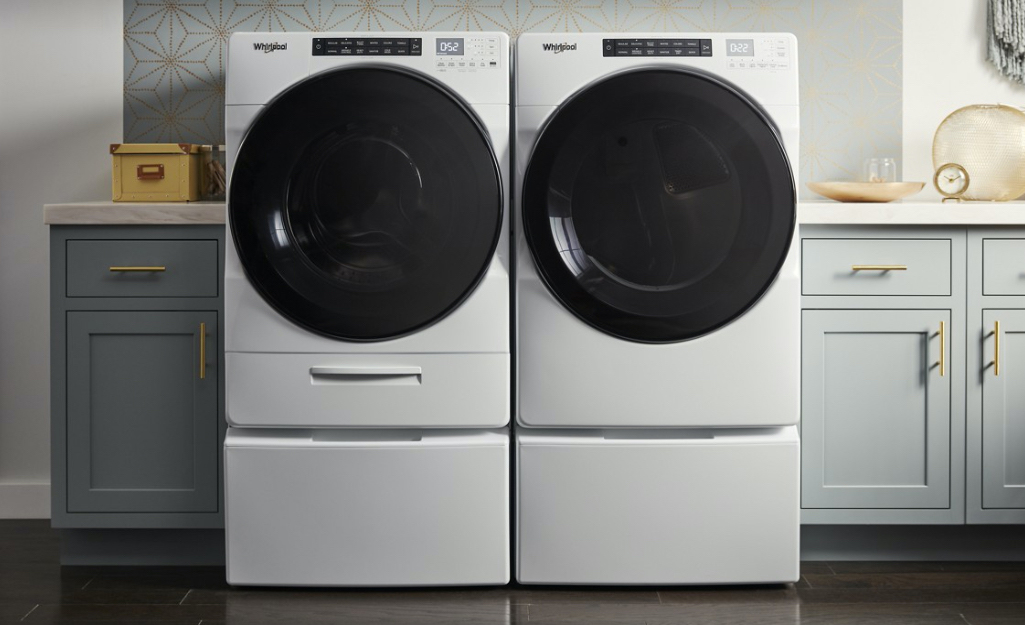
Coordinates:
142 411
876 409
137 417
882 422
995 447
1003 410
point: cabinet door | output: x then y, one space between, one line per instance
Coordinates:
875 409
142 431
1003 409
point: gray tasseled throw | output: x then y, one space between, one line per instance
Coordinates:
1007 37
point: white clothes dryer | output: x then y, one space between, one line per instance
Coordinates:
367 308
367 269
657 307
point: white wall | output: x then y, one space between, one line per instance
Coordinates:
945 68
61 66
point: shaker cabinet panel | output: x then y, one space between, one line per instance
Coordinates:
876 409
142 268
881 267
1003 266
142 411
1003 409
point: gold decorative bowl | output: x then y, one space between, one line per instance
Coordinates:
866 191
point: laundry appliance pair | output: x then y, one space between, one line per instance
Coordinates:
378 274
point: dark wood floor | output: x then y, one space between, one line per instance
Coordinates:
35 589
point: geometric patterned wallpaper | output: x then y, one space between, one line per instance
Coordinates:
850 55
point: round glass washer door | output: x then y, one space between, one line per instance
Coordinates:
366 203
659 204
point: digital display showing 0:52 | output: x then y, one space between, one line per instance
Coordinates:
449 47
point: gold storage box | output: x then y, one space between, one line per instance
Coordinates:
156 172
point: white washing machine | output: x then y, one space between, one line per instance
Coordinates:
367 308
657 308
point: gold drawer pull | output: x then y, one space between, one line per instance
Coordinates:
158 268
996 348
943 348
202 351
879 267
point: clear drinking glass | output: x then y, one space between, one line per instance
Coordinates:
879 170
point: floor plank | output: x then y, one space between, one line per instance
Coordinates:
927 580
506 595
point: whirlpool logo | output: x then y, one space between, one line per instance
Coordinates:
556 48
269 47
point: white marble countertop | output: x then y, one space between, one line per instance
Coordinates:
132 213
912 213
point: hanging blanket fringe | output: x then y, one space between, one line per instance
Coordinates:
1007 37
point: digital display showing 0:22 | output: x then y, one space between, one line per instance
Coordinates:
740 47
449 47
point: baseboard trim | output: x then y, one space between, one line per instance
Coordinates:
142 547
24 500
913 542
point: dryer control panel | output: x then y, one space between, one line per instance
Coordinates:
758 53
471 53
367 46
655 47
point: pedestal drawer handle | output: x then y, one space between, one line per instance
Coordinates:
139 268
879 267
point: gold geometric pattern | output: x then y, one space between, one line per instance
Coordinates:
850 55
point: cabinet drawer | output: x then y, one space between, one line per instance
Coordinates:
1003 266
153 268
876 266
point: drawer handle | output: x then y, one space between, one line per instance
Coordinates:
879 267
943 348
202 351
996 348
149 172
367 375
135 268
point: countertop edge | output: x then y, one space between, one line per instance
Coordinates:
134 214
932 213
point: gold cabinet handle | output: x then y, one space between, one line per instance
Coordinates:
996 348
202 351
943 348
139 268
879 267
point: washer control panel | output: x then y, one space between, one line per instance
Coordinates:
760 53
656 47
466 54
368 46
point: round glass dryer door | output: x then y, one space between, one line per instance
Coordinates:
366 203
659 204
